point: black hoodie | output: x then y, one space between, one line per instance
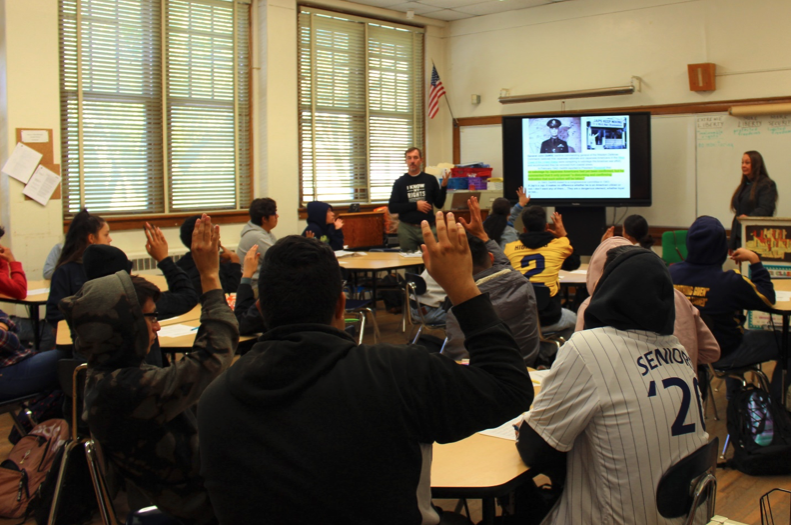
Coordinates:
309 427
720 296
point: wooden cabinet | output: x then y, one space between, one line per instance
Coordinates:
363 229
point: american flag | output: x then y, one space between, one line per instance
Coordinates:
436 93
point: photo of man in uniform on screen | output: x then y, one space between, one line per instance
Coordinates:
554 144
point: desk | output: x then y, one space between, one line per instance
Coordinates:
478 467
376 262
184 343
578 276
33 302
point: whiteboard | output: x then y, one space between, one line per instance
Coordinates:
721 142
673 167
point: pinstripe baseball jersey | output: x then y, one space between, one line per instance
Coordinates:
625 405
540 265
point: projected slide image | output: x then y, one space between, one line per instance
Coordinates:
557 166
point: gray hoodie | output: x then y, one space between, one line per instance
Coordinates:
254 234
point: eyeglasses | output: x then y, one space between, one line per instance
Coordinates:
152 316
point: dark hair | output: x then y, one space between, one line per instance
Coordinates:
637 227
617 252
145 290
534 218
82 225
2 232
187 227
495 223
760 177
299 282
479 252
262 209
413 148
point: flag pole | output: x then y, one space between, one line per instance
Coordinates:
447 101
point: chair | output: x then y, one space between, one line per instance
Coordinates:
674 246
689 483
150 516
414 287
359 308
553 338
17 405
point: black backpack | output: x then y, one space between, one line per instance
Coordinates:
760 430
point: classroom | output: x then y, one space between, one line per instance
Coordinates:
532 47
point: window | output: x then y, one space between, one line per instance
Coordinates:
155 105
360 105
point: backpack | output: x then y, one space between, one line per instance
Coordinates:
760 430
28 464
48 405
77 500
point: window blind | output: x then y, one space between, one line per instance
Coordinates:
361 105
155 105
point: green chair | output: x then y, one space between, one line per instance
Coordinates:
674 246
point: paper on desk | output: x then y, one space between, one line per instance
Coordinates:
22 163
41 185
782 297
176 330
411 254
38 291
345 253
504 431
538 376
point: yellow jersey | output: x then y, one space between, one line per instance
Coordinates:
540 265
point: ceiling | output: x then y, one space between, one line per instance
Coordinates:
455 9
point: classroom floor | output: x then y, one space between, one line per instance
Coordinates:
737 494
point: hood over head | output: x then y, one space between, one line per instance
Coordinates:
635 292
317 213
707 243
535 240
596 264
107 322
102 259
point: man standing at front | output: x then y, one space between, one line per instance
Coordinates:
309 427
414 195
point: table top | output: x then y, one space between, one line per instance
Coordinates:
478 465
578 276
379 261
185 342
782 285
38 298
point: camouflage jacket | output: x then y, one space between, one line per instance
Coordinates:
142 415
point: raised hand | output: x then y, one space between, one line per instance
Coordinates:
524 198
475 226
557 225
156 244
250 262
447 258
206 252
338 224
609 233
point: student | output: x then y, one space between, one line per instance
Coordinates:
721 297
142 415
230 268
24 370
258 230
609 409
85 229
689 328
323 225
13 282
246 309
310 427
499 225
635 230
511 294
539 254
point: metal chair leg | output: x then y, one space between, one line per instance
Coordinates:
106 508
53 511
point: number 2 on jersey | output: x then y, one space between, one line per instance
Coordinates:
679 428
540 265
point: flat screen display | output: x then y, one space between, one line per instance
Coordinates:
586 160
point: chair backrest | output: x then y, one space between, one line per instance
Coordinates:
71 376
688 483
674 246
417 281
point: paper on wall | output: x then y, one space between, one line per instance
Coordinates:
22 163
35 135
41 185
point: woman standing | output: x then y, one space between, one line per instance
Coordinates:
756 195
